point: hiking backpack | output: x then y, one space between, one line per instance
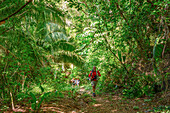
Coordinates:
95 77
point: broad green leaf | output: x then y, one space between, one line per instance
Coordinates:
42 89
119 55
33 97
124 58
33 106
42 98
154 49
33 101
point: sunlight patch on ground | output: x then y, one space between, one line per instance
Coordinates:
99 99
96 105
19 110
106 101
83 90
54 109
115 110
116 98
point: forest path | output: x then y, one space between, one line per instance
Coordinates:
104 103
83 102
111 103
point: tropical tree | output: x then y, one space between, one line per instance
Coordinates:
32 34
133 34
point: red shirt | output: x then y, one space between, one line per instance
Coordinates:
94 74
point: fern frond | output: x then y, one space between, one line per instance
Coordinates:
55 32
63 45
69 57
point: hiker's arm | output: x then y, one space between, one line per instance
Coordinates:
90 74
98 73
90 77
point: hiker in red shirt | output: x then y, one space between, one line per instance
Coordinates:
94 76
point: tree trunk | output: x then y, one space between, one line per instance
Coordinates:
12 101
23 82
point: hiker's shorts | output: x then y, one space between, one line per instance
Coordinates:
93 83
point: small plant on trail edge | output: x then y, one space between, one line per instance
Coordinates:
36 105
86 95
135 107
162 108
147 100
93 101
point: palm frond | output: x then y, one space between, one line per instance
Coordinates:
55 33
69 57
49 12
63 45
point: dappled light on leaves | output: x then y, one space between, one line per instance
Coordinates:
49 48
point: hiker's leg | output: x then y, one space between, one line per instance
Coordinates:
94 88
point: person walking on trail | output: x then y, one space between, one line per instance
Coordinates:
73 82
94 76
77 81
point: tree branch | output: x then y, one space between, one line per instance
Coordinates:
121 13
86 6
7 51
109 47
152 4
16 11
137 31
87 44
6 30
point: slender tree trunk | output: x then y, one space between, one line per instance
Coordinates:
12 101
23 82
5 79
116 56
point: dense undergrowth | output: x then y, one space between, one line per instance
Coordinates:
44 44
37 96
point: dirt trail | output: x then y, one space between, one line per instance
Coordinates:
83 102
105 103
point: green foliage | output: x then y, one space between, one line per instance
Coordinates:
119 54
135 107
161 109
147 100
140 86
35 105
39 40
42 89
33 101
31 38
